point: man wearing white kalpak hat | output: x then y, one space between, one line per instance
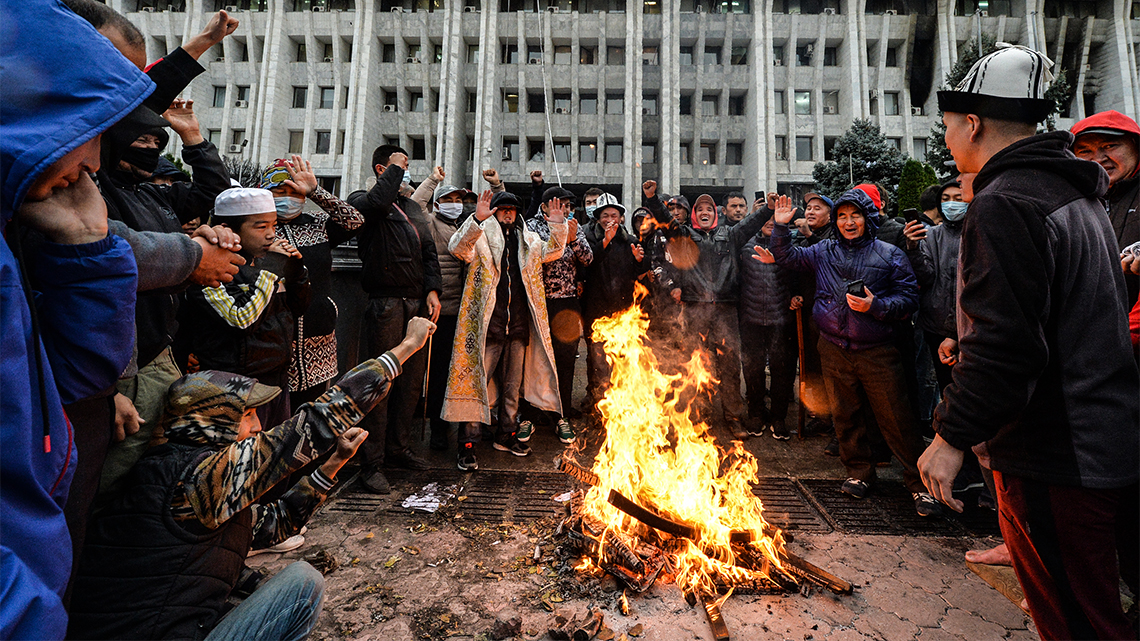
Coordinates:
1045 385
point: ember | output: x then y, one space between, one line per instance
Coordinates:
662 500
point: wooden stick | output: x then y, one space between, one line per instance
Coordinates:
427 379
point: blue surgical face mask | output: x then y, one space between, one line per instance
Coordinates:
450 211
954 210
407 176
590 209
288 207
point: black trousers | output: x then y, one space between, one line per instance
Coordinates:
565 317
774 347
438 367
93 427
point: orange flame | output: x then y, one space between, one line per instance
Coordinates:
656 455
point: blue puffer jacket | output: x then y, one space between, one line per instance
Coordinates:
54 101
883 268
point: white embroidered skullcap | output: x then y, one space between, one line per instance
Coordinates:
244 201
1008 84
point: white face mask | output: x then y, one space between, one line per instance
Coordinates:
590 209
407 176
450 211
954 210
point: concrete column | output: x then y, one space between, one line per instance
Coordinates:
669 143
631 141
357 160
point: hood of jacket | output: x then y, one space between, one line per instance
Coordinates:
55 100
866 206
1048 152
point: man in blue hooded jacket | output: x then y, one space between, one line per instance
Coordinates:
78 337
856 344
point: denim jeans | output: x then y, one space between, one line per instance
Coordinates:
286 608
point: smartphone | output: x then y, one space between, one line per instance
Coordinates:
760 196
910 215
855 288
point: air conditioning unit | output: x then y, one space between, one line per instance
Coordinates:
984 14
318 8
234 149
552 9
561 110
220 59
412 60
778 62
232 8
829 109
390 108
890 12
779 155
328 59
828 11
506 154
148 9
470 9
700 9
916 111
534 61
241 104
397 9
873 94
644 111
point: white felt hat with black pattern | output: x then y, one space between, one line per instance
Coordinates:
1008 84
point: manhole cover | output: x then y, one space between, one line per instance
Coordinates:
513 496
889 509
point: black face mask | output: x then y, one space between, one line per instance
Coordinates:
145 159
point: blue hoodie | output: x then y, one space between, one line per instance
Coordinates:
63 85
883 268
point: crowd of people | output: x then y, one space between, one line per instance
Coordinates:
171 395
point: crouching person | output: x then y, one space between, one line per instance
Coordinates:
163 556
502 346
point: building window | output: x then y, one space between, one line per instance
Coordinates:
829 147
510 54
390 103
562 103
648 152
588 103
683 154
330 184
892 56
419 149
388 53
243 92
803 103
686 57
830 56
778 55
472 102
437 54
685 104
649 104
296 142
472 54
214 136
920 149
536 149
587 55
708 153
328 47
346 97
324 142
562 150
536 103
649 55
510 102
804 55
895 143
302 54
237 136
243 51
510 149
416 101
300 97
534 54
587 152
414 52
563 54
736 105
890 103
710 105
804 148
328 98
778 101
615 56
712 56
739 56
219 96
651 7
781 150
734 153
613 152
831 102
340 142
615 104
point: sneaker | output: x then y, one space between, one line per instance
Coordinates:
513 445
926 505
737 429
526 430
832 448
818 427
564 431
376 482
756 428
288 545
780 432
855 488
407 459
466 460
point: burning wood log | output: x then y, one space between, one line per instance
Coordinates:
570 468
716 621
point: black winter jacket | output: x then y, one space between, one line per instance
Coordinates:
766 289
935 263
1124 213
611 274
1045 377
396 243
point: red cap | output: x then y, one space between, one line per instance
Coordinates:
1106 122
873 192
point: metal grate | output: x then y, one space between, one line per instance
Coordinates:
786 507
889 509
513 496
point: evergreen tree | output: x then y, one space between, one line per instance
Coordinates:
915 178
862 156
